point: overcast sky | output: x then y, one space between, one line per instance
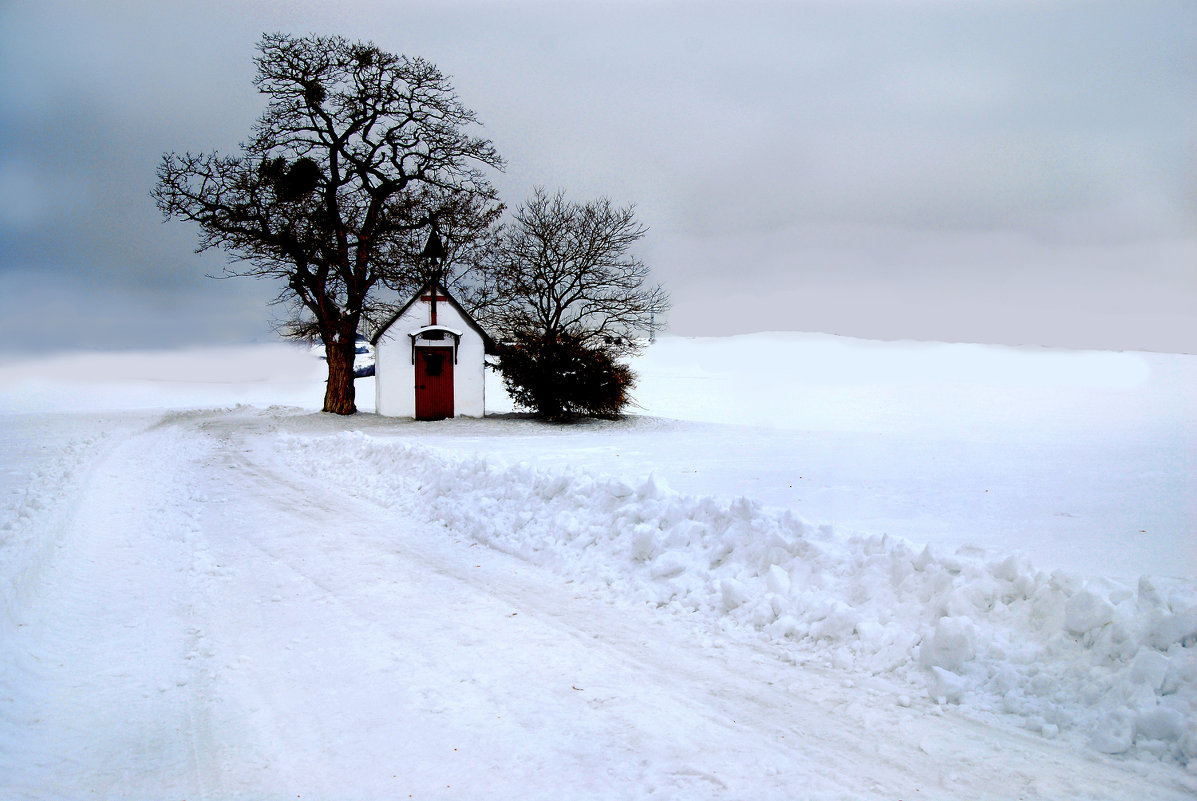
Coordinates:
1014 172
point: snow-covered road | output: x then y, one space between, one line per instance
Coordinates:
194 617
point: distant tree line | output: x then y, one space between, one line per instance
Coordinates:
359 155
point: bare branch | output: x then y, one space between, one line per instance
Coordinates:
356 152
565 268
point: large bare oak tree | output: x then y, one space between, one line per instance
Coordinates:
357 154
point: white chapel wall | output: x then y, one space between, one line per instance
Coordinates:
395 376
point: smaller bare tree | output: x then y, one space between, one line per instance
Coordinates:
568 297
566 268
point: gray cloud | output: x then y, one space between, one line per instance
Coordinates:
990 171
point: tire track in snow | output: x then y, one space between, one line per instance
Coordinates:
843 720
632 652
106 686
577 625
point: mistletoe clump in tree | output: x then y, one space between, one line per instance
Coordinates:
358 153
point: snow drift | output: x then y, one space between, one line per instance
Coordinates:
1112 663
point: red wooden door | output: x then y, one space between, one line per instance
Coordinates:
434 383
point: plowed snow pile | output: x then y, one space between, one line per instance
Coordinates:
1115 663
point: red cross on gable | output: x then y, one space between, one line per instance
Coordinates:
432 297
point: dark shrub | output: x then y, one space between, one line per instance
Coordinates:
560 378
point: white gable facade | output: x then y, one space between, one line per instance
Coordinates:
430 367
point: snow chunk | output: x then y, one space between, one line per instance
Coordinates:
1086 611
946 687
951 646
735 594
668 565
778 580
1160 724
1149 667
1115 737
1180 627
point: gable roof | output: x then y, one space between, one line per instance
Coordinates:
488 343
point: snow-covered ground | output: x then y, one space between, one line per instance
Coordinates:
810 567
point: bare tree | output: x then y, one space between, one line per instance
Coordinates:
566 268
358 152
568 297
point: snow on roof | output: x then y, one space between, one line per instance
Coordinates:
428 328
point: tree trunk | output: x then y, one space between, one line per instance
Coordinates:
339 393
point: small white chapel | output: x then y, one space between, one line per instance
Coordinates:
429 359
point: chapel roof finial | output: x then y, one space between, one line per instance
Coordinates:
434 249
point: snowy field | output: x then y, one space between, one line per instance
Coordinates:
808 567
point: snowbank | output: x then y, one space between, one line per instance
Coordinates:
1102 660
32 517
